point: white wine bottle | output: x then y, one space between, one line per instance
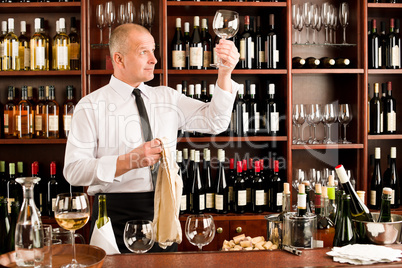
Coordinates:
61 43
38 49
11 60
102 215
23 49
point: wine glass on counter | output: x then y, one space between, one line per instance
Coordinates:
139 236
100 20
225 25
344 19
200 230
110 14
72 213
344 117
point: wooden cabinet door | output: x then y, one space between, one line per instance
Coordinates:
250 228
215 245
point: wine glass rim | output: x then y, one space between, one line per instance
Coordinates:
63 195
227 10
138 221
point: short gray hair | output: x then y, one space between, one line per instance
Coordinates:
120 37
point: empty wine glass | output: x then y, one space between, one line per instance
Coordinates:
301 23
200 229
150 15
344 18
310 125
326 16
130 12
329 117
295 19
225 25
345 116
331 23
315 118
110 14
121 15
143 15
299 117
307 18
100 20
335 24
314 20
139 236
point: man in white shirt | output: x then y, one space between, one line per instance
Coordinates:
106 149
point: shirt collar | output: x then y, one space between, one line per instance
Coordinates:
125 90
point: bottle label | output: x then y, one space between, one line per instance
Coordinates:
53 123
245 119
301 201
62 55
67 122
248 195
178 58
373 198
74 51
27 58
242 49
379 56
393 197
196 56
210 200
10 200
241 197
183 203
259 197
231 193
40 56
15 45
279 199
18 117
395 59
265 198
219 202
6 123
262 56
381 122
274 121
391 117
207 59
38 123
202 201
257 121
276 56
215 59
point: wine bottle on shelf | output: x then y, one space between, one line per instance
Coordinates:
382 54
317 199
327 62
392 50
240 190
342 63
23 48
373 47
344 230
331 198
215 58
102 214
376 181
208 182
271 112
48 43
11 61
248 184
260 61
197 194
74 46
286 201
391 179
376 112
276 189
182 174
222 187
298 62
10 112
301 201
385 211
398 41
258 190
38 46
178 48
196 55
15 212
311 63
204 96
206 44
253 113
231 182
51 115
40 189
40 114
271 45
20 169
185 161
14 189
190 169
358 209
52 190
68 110
246 50
25 116
239 112
3 179
54 47
186 42
2 35
389 113
61 44
4 225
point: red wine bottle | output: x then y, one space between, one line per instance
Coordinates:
40 189
206 40
182 174
253 113
271 45
207 180
389 113
257 189
197 194
298 62
382 54
239 112
260 60
376 181
222 188
240 191
52 190
392 50
271 113
246 46
231 182
276 189
248 184
178 48
375 112
187 41
373 47
391 179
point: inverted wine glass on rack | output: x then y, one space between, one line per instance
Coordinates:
100 20
225 25
72 213
139 236
200 230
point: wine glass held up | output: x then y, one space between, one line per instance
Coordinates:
72 213
200 229
225 25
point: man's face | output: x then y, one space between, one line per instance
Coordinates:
139 60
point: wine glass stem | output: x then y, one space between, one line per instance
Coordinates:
344 132
295 36
344 35
101 36
110 31
307 34
298 133
329 133
73 244
200 248
315 128
326 35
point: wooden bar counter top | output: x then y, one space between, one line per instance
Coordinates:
277 258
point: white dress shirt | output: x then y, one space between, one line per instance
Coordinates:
106 124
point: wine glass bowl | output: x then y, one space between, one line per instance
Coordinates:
150 15
100 20
299 117
110 15
329 117
225 25
139 236
344 117
72 213
130 12
200 229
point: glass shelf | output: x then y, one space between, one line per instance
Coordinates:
325 45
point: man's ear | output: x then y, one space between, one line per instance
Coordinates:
118 59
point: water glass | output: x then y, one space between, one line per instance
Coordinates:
43 255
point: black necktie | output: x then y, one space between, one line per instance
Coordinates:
146 128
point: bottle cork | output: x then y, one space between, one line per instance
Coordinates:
318 189
301 189
324 191
387 190
331 181
286 188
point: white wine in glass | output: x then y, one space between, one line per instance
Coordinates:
225 25
72 213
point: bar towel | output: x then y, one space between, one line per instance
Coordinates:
167 201
104 238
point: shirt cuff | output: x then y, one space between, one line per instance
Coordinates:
106 169
226 98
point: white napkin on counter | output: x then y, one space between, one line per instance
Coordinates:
364 254
104 238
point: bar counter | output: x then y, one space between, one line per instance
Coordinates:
277 258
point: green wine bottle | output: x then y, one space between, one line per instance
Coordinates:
15 211
344 230
4 225
102 216
385 212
